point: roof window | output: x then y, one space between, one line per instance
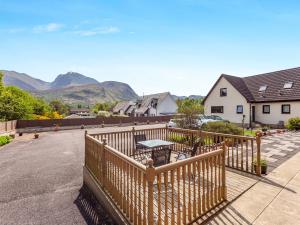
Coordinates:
288 85
263 88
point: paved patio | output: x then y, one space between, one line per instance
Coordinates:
278 148
274 200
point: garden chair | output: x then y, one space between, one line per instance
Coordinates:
188 152
140 152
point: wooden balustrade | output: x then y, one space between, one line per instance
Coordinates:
241 151
177 193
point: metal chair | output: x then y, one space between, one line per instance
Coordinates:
187 153
140 152
161 156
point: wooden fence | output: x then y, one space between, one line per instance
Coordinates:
241 151
8 126
177 193
90 121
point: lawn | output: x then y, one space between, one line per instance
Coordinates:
251 133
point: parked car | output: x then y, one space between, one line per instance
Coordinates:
218 118
204 120
172 123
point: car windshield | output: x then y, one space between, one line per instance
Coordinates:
218 118
202 117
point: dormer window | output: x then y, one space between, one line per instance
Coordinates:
288 85
262 88
223 92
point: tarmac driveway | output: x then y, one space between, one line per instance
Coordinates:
40 179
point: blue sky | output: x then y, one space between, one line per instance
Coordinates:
180 46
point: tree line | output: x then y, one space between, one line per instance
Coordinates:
16 103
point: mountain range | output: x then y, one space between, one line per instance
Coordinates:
75 88
72 88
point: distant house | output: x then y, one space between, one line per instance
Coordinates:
125 108
270 98
80 113
156 105
148 105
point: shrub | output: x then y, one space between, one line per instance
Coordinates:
294 123
102 114
4 140
222 127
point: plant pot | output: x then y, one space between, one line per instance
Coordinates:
82 127
263 169
20 134
36 136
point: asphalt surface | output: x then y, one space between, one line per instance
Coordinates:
41 181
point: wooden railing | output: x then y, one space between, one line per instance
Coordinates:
177 193
187 189
241 151
124 141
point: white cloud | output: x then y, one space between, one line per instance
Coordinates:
98 30
50 27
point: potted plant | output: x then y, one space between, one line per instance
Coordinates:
20 134
264 130
263 166
82 126
36 135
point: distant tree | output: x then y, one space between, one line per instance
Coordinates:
58 106
1 82
13 107
19 104
79 106
106 106
188 110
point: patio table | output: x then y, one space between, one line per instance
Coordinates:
152 144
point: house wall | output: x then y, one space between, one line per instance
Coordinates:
275 112
167 106
229 103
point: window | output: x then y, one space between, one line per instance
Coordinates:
266 109
223 92
217 109
288 85
263 88
286 109
239 109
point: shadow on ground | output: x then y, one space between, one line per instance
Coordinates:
90 208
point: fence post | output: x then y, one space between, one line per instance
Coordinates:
133 141
167 132
224 188
258 144
150 174
104 141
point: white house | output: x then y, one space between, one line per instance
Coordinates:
156 105
149 105
270 98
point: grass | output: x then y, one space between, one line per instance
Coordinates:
250 133
4 140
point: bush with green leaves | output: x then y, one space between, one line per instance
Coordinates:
222 127
19 104
294 123
4 140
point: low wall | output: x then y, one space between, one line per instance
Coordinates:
89 121
8 126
